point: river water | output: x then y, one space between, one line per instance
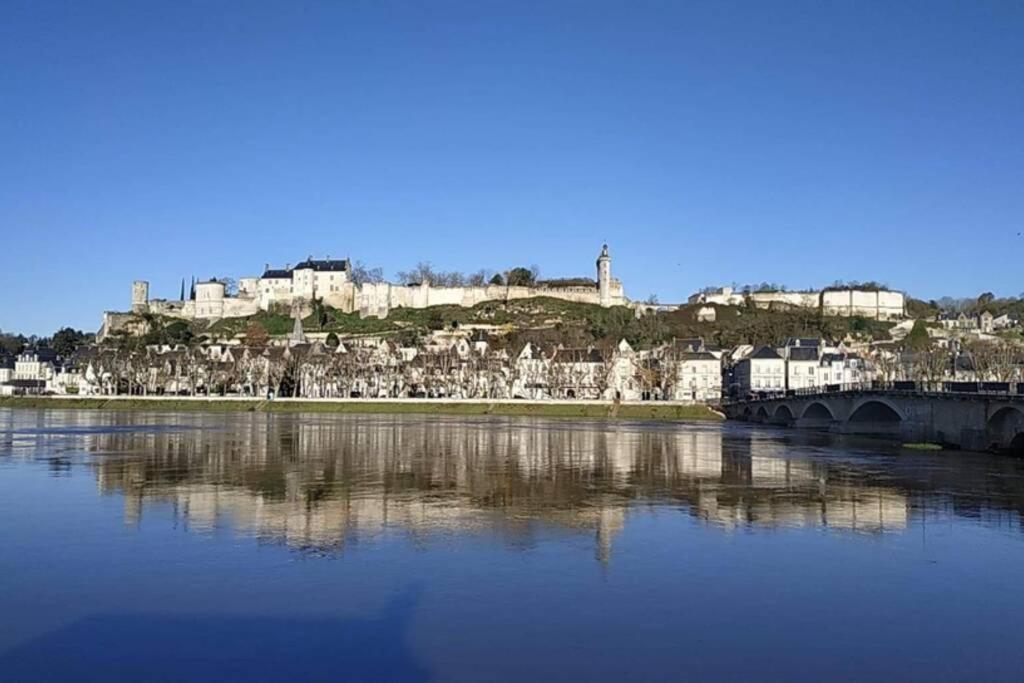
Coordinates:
148 546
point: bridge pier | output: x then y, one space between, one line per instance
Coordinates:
815 423
887 429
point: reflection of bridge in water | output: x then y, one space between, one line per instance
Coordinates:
973 421
319 482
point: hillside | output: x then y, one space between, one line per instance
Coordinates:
539 319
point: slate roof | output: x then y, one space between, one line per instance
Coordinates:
801 353
276 274
42 354
326 265
697 355
765 353
803 342
694 345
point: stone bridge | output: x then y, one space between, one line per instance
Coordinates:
977 422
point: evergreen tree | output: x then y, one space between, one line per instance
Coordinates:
918 339
182 296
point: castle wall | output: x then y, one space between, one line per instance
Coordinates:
794 299
373 299
377 299
870 304
184 310
239 307
342 297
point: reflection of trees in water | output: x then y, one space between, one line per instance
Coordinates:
319 481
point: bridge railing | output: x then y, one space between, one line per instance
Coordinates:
1008 389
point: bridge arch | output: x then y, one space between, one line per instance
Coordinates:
1004 430
875 417
818 411
783 415
875 410
747 414
762 414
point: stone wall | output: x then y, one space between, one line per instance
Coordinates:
782 299
378 299
882 305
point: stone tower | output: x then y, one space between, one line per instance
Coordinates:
604 277
140 296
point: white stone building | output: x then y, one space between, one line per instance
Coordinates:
762 371
868 303
694 376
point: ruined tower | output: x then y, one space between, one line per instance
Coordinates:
140 296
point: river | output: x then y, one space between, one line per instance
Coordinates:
173 546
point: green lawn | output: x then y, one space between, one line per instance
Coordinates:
644 411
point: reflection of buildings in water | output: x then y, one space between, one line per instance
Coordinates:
763 485
319 481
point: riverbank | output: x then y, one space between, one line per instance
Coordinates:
566 409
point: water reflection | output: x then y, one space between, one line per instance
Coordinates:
321 482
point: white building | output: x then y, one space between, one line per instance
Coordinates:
762 371
868 303
695 376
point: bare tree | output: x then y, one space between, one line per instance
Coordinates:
362 274
932 365
998 360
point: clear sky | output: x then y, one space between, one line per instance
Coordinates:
707 142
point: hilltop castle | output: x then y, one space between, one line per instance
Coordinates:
330 281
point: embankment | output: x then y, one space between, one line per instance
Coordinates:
566 409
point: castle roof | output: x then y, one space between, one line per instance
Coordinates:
319 265
276 274
327 265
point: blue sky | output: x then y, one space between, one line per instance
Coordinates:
707 142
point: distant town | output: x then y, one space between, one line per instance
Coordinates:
328 328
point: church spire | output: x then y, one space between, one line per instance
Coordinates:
298 336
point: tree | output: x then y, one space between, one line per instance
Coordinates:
361 274
998 361
497 280
320 314
256 335
230 285
918 339
931 365
523 277
12 343
66 340
479 278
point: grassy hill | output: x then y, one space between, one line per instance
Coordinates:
542 320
